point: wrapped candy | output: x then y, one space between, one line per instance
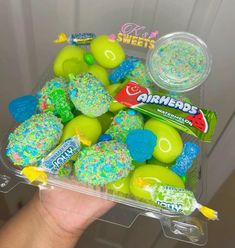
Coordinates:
76 38
34 173
61 155
179 114
185 160
179 200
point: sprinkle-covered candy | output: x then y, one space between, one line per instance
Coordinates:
139 74
103 163
123 123
66 170
89 95
34 139
53 98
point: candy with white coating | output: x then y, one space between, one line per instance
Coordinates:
89 95
103 163
139 74
53 98
33 139
123 123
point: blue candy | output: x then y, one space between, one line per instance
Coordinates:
140 144
185 160
22 108
121 71
131 112
105 137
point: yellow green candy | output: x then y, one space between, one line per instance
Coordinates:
157 162
152 175
121 185
70 60
99 72
169 143
115 106
87 126
138 164
108 53
105 120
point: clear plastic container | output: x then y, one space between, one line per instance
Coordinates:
179 62
184 228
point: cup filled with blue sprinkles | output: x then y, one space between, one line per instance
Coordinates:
179 62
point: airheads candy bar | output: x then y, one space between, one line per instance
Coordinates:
177 113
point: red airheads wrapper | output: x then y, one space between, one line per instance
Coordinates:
177 113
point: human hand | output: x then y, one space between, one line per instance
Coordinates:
55 219
72 211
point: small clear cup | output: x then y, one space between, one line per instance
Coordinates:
179 62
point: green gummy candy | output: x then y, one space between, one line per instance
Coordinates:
61 106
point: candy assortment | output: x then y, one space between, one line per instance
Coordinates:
101 121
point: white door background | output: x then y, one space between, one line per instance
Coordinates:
27 28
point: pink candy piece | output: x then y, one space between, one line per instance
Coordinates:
43 106
15 156
112 37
